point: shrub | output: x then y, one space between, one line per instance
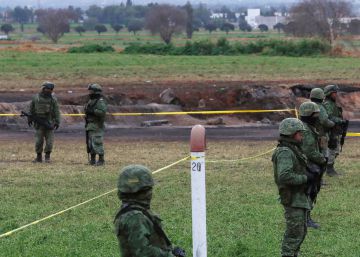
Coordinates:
92 48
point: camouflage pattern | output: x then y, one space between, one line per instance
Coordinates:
95 112
317 93
323 127
310 145
134 178
290 126
96 88
289 164
48 85
308 108
45 107
330 89
138 229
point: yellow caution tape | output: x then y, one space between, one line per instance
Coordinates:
353 134
169 113
80 204
244 159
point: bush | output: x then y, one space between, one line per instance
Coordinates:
93 48
305 47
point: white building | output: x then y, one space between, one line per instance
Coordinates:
251 15
254 19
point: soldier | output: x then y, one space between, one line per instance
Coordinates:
137 228
44 106
324 125
335 114
291 177
309 113
95 112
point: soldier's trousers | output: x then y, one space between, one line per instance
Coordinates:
96 138
42 135
333 153
295 232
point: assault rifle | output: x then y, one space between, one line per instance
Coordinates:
35 119
344 127
313 188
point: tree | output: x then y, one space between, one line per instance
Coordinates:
129 3
226 26
211 27
80 29
7 28
279 26
190 20
117 27
243 25
22 15
54 22
202 14
90 23
135 25
94 11
166 20
263 28
319 18
100 28
354 27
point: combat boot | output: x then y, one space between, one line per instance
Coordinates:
312 224
331 171
92 159
47 157
38 158
101 160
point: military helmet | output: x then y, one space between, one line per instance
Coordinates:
330 89
134 178
95 87
308 108
317 93
290 126
48 85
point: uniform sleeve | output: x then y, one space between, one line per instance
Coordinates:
56 112
285 170
329 107
101 108
324 119
309 147
139 230
32 106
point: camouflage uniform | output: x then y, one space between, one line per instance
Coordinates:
95 112
45 106
137 228
290 175
335 115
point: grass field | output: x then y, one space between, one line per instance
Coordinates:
244 216
22 70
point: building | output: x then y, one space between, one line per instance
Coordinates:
254 19
251 15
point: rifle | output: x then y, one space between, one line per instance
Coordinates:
313 188
40 121
88 146
344 127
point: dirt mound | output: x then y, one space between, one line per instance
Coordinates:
33 47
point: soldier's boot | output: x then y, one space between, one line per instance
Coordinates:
331 172
38 158
101 160
47 157
92 159
312 224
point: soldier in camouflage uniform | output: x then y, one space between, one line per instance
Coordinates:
95 112
291 177
335 114
45 106
309 113
137 228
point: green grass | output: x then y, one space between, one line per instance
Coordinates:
22 70
244 217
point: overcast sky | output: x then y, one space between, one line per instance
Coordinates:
86 3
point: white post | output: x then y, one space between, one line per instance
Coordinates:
198 191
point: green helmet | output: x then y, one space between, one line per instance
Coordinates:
317 93
330 89
48 85
134 178
290 126
308 108
95 87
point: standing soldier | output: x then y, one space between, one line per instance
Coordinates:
137 228
309 113
95 112
324 125
291 177
44 106
335 114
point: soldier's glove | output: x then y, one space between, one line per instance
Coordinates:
310 177
178 252
56 126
